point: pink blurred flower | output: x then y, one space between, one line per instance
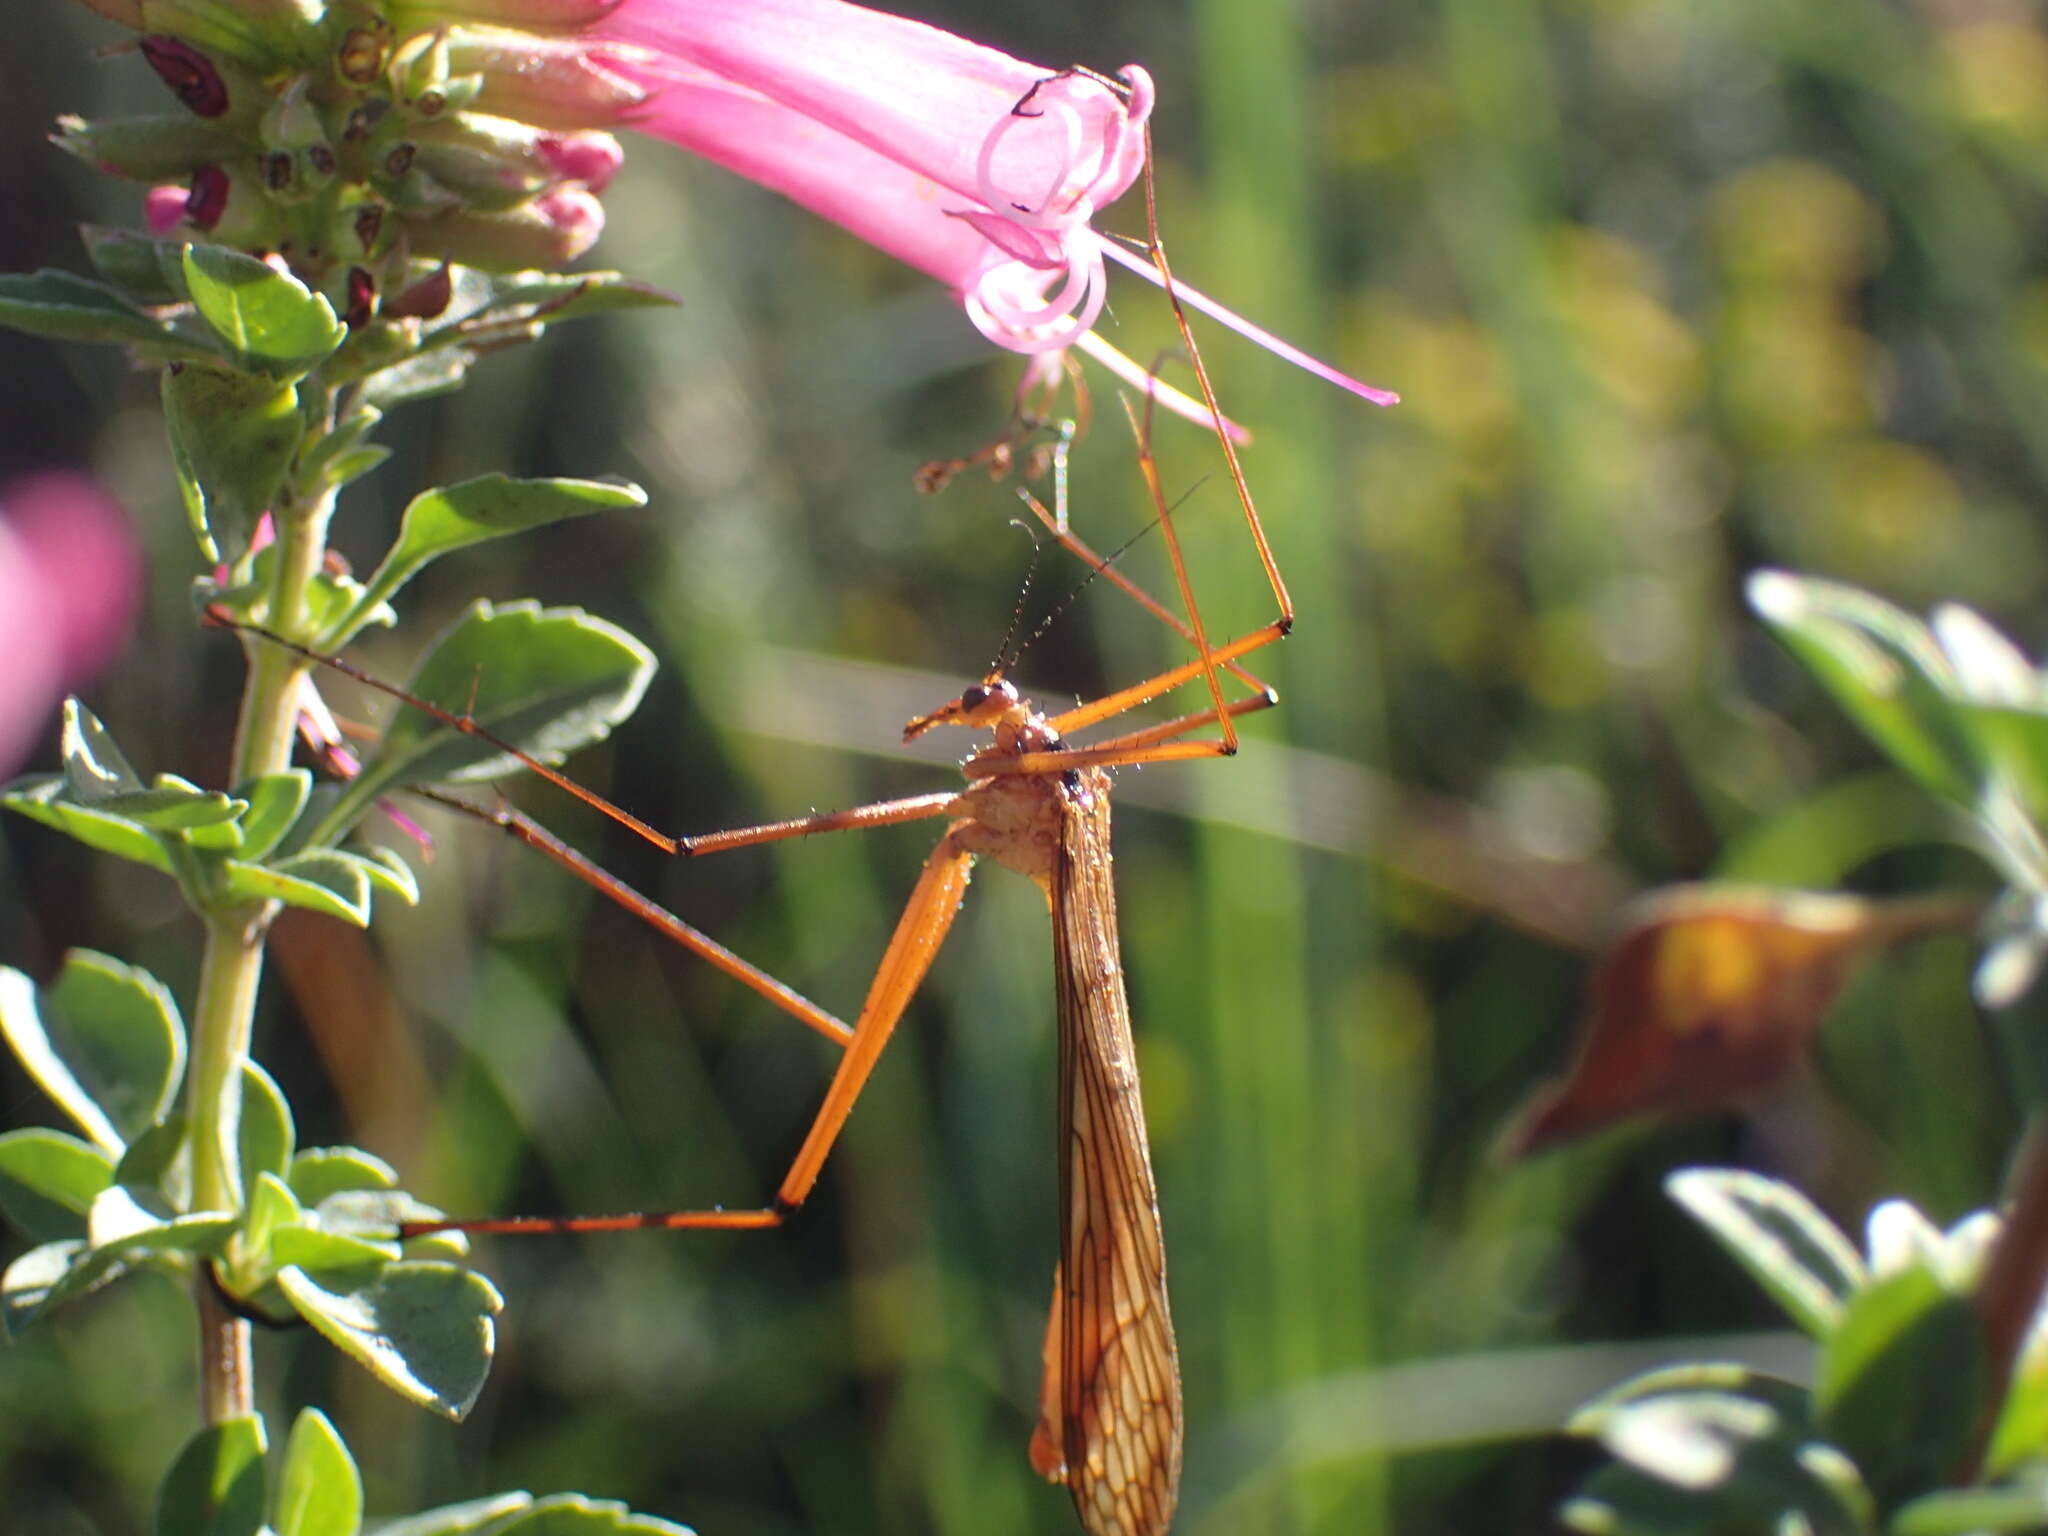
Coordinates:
163 207
980 170
70 582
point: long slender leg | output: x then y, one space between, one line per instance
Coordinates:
919 933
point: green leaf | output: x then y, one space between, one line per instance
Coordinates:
105 1042
233 436
139 267
453 516
485 300
1786 1399
95 768
275 801
465 1519
215 1487
1797 1255
158 1159
1970 1511
347 468
173 804
272 1208
319 1172
269 317
124 1219
318 1251
48 1181
46 799
1884 669
377 1215
319 1491
266 1135
419 378
70 308
549 681
315 881
45 1278
1901 1382
574 1514
344 438
424 1330
388 871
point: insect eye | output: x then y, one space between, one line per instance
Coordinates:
974 697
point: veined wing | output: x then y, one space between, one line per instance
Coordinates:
1111 1425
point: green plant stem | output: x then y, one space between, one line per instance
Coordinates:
232 966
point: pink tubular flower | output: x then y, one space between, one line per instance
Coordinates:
70 580
980 170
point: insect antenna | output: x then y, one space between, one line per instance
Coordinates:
1095 569
1004 657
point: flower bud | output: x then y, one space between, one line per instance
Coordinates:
228 205
551 83
261 33
490 163
360 58
190 74
588 156
162 207
550 231
300 161
527 15
145 148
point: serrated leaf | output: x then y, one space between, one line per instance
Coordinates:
44 799
71 308
319 1491
233 437
465 1519
269 317
336 889
105 1043
49 1180
1883 667
266 1136
1901 1382
319 1172
275 801
45 1278
452 517
1797 1255
215 1487
424 1330
549 681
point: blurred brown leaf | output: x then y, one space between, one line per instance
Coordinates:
1709 993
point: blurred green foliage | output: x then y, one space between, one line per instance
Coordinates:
1671 290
